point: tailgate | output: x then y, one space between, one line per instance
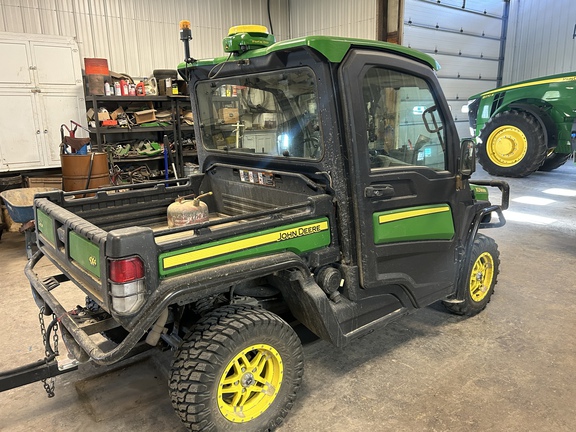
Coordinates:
74 245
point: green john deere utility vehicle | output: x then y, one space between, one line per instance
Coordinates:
338 198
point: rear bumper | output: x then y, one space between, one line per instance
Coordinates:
79 335
182 289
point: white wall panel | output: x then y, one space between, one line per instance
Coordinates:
138 36
461 89
463 67
540 39
48 18
13 19
428 40
31 16
333 18
465 41
425 12
488 6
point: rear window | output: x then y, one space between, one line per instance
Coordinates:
272 114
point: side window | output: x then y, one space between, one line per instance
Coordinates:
404 126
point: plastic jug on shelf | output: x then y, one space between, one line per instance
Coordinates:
140 89
151 86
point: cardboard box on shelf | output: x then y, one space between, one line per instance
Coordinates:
114 114
228 115
145 116
103 114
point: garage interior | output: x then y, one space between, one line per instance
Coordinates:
508 368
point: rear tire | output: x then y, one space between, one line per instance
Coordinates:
482 274
239 371
555 160
512 145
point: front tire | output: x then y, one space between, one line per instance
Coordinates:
240 370
512 145
482 275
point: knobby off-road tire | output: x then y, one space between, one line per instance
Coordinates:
512 145
555 160
482 274
239 371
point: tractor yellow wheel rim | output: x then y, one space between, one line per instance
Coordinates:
250 383
506 146
481 277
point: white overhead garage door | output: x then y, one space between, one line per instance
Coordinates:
465 38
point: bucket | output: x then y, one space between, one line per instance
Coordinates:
77 175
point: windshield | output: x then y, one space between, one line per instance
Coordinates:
272 114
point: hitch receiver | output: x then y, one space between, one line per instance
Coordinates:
32 372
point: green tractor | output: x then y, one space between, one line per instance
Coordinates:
526 126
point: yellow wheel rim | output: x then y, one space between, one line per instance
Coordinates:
250 383
506 146
481 277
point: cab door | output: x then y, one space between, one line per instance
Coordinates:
401 150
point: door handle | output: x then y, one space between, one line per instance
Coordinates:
381 191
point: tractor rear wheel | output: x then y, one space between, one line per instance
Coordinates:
239 371
512 145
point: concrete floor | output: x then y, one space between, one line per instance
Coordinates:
511 368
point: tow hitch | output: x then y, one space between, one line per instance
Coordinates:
41 370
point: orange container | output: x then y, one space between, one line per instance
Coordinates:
96 66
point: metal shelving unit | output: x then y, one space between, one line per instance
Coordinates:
176 128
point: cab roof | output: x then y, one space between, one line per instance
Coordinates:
333 48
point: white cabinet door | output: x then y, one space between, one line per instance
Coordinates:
16 63
260 141
21 138
58 109
56 65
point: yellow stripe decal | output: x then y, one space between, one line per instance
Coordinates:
529 84
411 213
235 246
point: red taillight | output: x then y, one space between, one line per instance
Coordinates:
126 270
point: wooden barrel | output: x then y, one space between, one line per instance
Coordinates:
76 173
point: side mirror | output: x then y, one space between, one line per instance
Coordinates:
467 157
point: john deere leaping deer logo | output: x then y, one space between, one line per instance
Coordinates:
93 261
